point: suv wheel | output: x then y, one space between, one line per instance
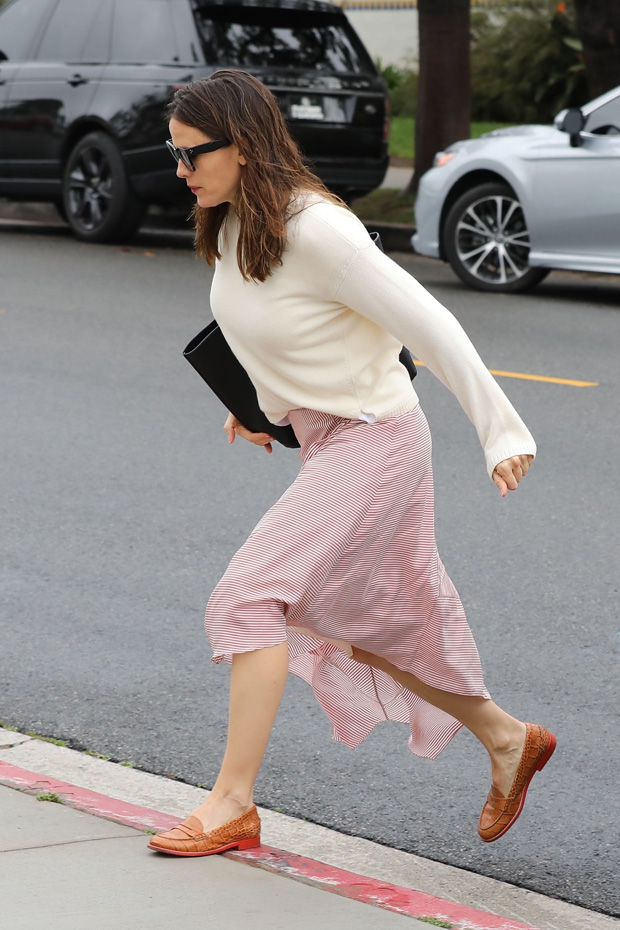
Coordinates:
487 242
98 202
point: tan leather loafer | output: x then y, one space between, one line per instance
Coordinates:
499 813
189 838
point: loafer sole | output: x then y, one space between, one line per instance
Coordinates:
250 843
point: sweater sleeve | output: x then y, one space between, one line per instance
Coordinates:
376 287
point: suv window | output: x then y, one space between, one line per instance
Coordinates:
19 24
238 36
143 31
77 32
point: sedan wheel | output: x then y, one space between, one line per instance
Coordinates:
98 202
487 242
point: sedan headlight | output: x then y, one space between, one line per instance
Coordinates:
442 158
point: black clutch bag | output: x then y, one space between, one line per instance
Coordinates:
217 364
211 356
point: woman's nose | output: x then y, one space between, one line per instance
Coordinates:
182 170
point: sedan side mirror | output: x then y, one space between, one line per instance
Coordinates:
573 122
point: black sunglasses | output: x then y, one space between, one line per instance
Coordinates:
186 155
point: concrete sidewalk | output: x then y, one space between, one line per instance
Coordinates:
397 177
62 867
396 237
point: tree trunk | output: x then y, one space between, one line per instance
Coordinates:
444 95
598 25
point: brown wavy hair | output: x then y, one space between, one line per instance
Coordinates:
235 105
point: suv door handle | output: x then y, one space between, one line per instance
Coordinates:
76 80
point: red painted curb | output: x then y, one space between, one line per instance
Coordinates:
142 818
401 900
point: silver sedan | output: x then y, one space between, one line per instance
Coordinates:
506 208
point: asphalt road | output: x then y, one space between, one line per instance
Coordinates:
121 504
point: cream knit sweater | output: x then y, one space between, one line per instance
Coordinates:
324 331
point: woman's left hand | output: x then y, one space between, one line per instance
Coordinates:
508 473
233 426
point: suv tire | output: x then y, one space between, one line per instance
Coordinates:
98 203
487 242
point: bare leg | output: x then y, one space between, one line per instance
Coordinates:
256 685
502 736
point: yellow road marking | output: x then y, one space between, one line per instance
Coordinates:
519 374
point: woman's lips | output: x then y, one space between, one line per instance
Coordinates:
193 189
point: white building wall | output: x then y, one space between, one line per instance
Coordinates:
388 28
390 35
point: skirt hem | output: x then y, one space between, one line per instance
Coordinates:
315 658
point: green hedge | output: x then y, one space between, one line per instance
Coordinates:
403 87
526 65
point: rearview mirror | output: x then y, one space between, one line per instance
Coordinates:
573 122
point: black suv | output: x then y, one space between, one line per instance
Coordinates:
84 84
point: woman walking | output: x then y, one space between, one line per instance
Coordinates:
340 582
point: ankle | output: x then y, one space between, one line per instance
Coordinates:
508 738
231 796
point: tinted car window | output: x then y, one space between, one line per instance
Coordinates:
97 47
19 23
263 37
74 29
143 31
606 117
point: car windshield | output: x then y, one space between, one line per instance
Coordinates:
603 114
266 37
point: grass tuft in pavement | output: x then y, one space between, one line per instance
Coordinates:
49 796
45 739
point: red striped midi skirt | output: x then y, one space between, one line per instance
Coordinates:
347 557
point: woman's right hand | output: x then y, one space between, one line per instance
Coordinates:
232 426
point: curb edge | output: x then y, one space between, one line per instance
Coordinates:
400 900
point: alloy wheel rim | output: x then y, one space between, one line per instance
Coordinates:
492 240
90 188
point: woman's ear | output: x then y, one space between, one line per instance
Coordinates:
242 160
